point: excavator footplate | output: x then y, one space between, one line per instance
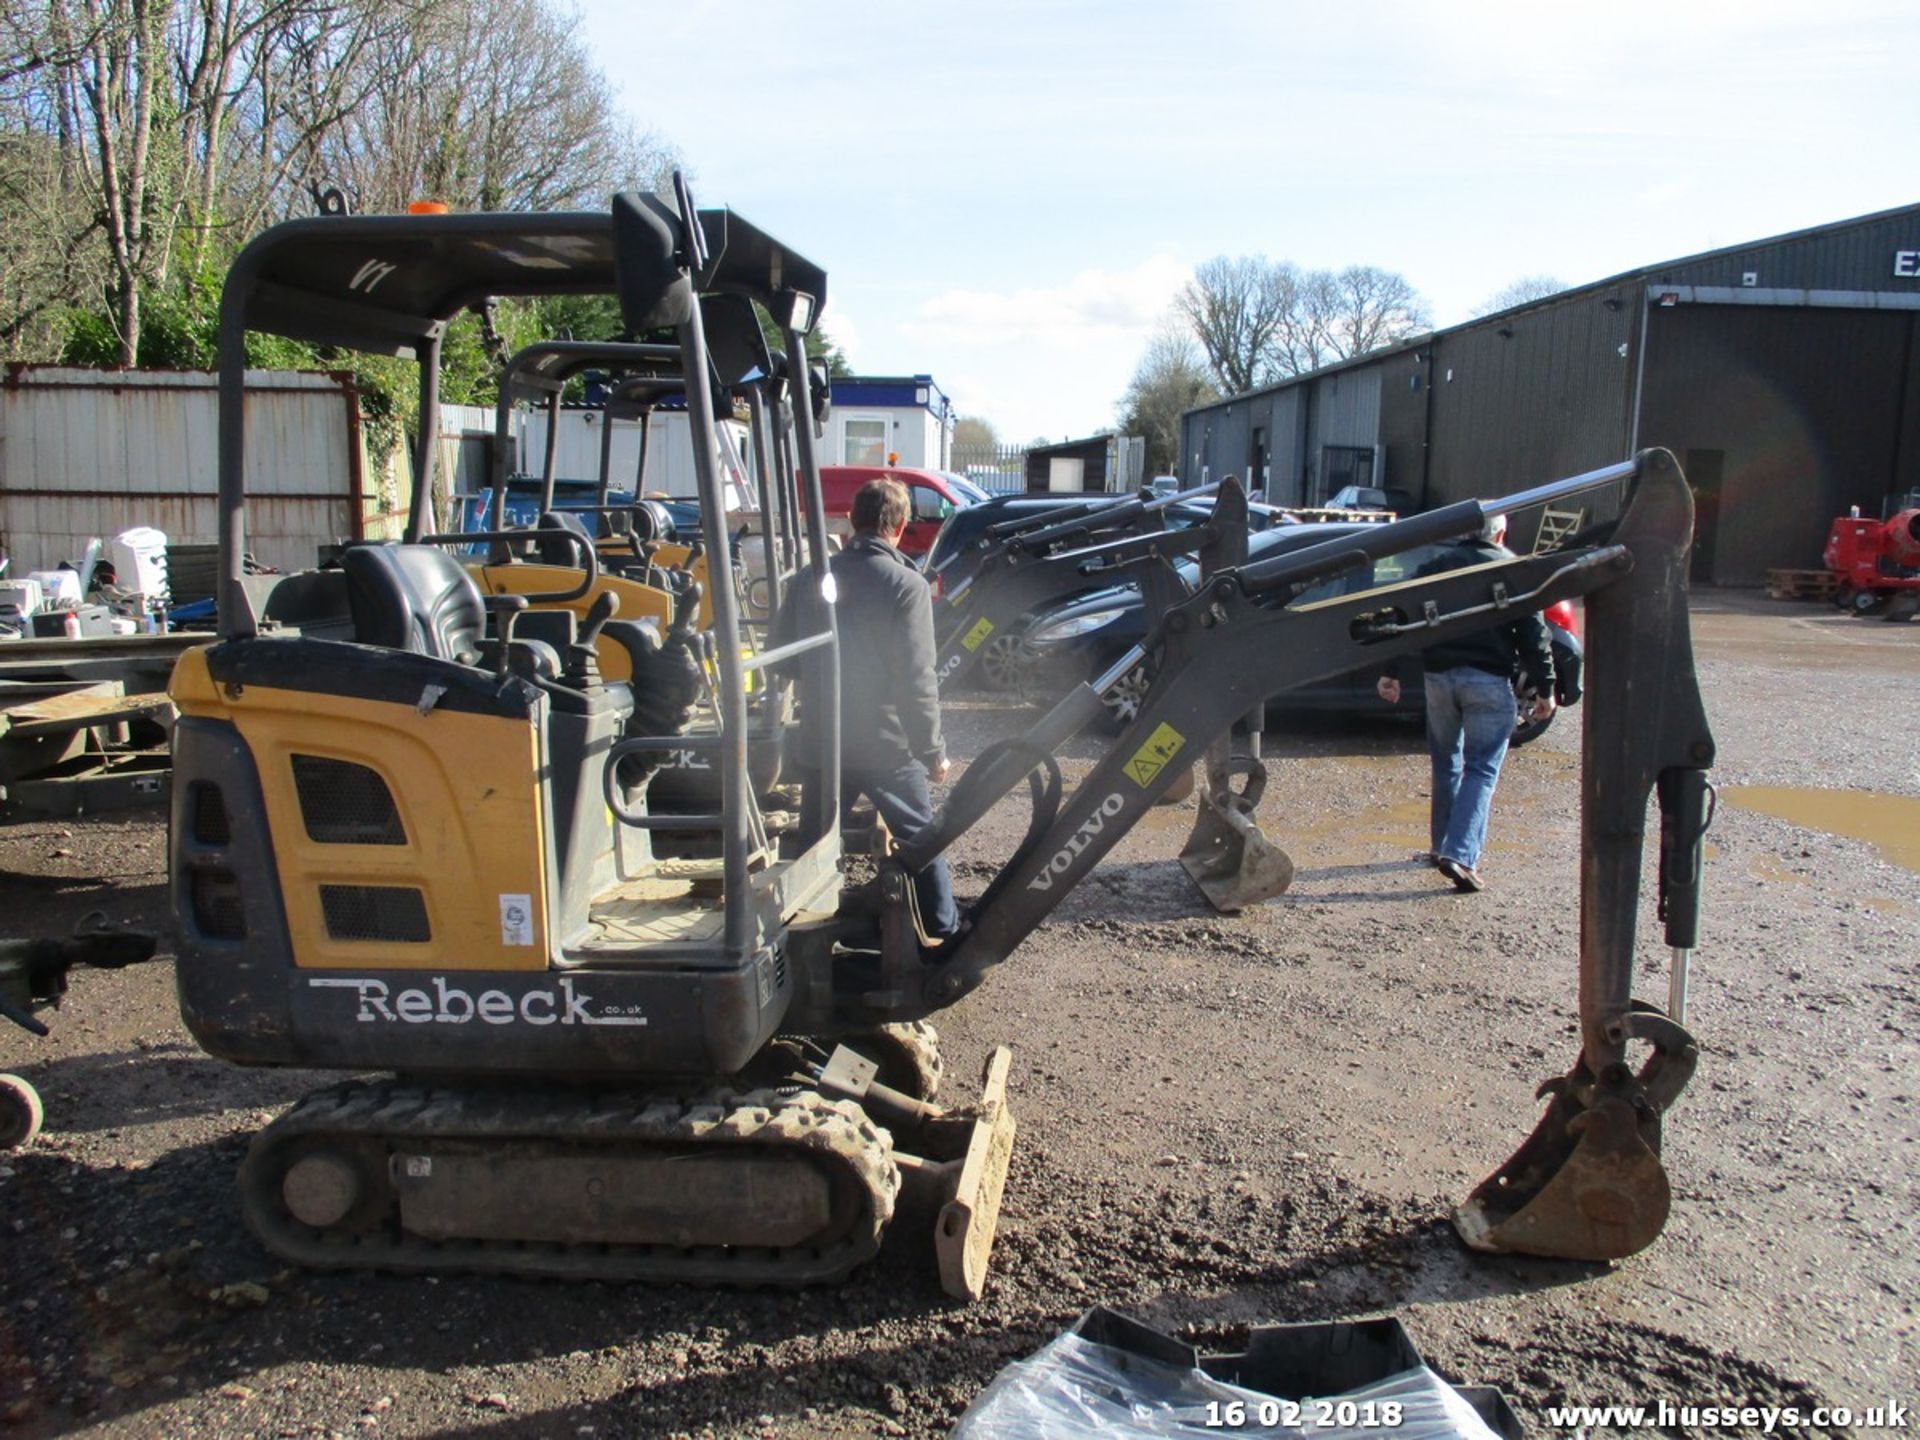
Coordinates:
755 1188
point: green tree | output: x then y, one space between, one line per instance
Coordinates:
975 433
1171 379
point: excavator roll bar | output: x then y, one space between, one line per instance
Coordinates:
1588 1183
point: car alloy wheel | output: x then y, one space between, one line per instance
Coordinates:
1124 700
1525 727
1000 661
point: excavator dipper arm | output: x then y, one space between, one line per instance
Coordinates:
1588 1183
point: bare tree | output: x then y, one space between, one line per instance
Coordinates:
48 246
1236 309
137 135
1522 291
491 105
109 86
1258 321
1366 308
231 59
1171 379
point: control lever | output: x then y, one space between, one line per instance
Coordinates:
505 609
686 609
583 663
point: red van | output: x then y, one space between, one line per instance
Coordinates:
935 494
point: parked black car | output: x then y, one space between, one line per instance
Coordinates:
1369 497
1081 638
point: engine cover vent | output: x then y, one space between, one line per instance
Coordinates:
375 912
346 804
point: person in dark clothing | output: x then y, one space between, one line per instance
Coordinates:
891 745
1470 713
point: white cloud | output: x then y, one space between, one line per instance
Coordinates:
844 333
1095 309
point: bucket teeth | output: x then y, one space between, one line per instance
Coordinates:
1587 1184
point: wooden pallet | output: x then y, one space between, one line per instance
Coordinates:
1802 584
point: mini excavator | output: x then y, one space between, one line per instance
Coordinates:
406 839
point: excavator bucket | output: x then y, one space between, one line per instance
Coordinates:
963 1233
1232 862
1586 1185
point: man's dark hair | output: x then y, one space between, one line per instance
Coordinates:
880 507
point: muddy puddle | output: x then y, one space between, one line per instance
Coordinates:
1890 823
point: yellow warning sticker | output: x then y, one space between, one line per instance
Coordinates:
977 636
1153 757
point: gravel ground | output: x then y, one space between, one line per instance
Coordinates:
1223 1122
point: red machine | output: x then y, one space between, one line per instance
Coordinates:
1876 560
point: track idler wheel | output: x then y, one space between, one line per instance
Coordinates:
907 1054
20 1112
1588 1183
1232 862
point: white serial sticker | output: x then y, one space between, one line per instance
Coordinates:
516 919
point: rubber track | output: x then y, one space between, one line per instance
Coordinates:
400 1114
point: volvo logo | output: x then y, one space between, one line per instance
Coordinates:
1063 859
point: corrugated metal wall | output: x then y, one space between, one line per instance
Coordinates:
87 453
1532 397
1218 442
1855 255
1345 411
466 443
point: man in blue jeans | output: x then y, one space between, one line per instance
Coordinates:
1470 712
890 740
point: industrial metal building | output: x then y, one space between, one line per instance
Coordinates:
1782 373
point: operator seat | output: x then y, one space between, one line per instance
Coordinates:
557 549
416 598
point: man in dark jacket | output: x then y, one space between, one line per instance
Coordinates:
1470 714
889 703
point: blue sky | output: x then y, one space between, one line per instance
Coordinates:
1007 195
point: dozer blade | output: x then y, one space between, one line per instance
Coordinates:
1232 862
1586 1185
963 1233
